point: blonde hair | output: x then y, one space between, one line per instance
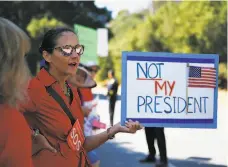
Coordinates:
14 72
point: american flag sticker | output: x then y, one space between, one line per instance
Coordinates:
202 77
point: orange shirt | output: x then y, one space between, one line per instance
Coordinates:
44 113
15 139
87 94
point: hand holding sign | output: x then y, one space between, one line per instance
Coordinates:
130 127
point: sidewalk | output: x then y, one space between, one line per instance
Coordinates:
114 154
185 147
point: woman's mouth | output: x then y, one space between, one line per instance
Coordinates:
72 64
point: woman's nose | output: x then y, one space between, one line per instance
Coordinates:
74 54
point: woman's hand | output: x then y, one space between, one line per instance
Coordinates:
39 143
86 110
130 127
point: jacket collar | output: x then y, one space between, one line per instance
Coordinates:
45 77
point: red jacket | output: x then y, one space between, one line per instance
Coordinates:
87 94
44 113
15 139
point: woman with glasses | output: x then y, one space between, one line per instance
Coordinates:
15 135
54 109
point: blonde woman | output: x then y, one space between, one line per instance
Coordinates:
15 135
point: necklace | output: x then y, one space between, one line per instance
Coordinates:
67 93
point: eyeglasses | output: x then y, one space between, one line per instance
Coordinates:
92 70
68 49
95 71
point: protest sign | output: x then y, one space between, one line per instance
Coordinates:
169 89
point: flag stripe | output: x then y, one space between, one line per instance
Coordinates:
207 77
200 82
205 68
212 70
200 79
208 73
201 86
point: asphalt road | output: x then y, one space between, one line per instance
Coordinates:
185 147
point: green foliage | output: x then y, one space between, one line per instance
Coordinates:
39 26
68 12
105 64
222 75
36 14
117 66
183 27
120 42
188 27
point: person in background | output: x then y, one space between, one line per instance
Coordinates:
89 125
112 86
15 134
84 81
59 121
152 134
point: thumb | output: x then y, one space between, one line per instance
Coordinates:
125 129
53 150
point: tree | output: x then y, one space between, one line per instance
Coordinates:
40 15
184 27
123 30
106 64
194 27
36 27
69 12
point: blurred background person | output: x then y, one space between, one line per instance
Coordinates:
112 86
152 134
84 81
92 122
15 135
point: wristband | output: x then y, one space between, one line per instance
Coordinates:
109 135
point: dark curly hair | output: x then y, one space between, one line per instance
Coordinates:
50 38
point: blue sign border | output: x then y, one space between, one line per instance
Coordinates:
169 57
